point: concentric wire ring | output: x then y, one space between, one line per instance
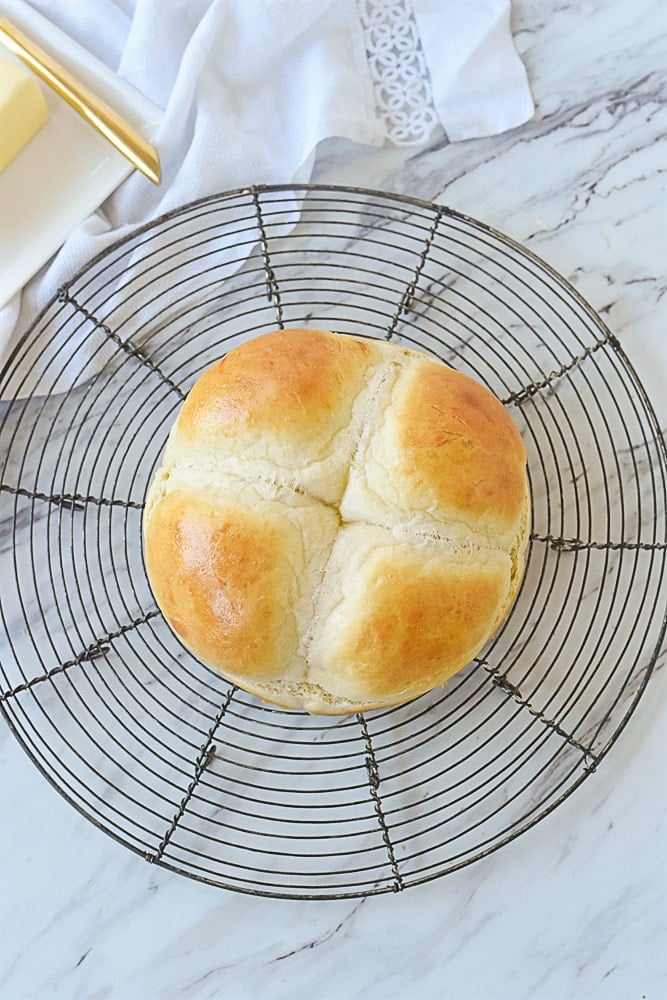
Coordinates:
161 752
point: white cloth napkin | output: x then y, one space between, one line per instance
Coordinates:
250 87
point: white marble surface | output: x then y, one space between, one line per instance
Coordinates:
577 907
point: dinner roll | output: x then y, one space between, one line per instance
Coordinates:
338 524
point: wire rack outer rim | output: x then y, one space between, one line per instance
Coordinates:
444 210
382 891
407 200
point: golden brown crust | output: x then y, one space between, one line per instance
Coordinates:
222 577
457 449
422 619
295 385
421 625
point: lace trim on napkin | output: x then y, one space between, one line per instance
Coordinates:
398 69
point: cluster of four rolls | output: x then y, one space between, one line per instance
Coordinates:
338 523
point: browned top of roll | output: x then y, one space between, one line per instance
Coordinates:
457 449
296 386
222 576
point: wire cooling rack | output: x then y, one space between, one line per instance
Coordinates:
162 753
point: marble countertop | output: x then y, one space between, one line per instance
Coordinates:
577 906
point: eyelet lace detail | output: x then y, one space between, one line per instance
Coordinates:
401 80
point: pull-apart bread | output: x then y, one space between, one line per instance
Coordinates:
338 524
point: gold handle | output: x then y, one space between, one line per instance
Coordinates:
103 118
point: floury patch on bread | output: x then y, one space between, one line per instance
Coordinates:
338 524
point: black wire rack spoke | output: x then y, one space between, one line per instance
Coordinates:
203 332
168 337
70 501
158 750
507 687
440 811
204 758
107 726
91 453
99 764
88 653
53 356
55 545
128 347
292 850
328 820
345 270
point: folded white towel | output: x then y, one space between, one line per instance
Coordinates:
250 87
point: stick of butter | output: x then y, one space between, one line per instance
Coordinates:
23 109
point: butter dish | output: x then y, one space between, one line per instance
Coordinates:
67 169
23 110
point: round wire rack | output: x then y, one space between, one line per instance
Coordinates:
161 752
